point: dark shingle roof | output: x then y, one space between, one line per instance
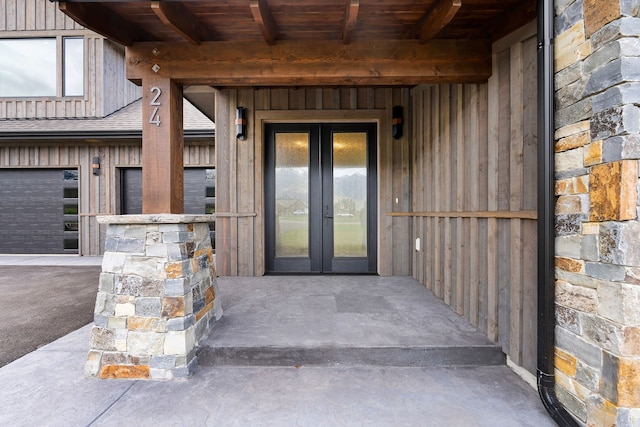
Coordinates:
126 122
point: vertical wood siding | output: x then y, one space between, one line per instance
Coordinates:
106 87
97 194
33 15
239 237
116 90
475 151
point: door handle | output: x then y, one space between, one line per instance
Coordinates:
328 216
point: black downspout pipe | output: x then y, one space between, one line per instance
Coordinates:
546 219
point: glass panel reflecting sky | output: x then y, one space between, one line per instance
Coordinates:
73 66
28 67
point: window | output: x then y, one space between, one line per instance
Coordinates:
210 191
73 76
70 209
29 67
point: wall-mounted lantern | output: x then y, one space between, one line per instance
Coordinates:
241 123
96 165
396 122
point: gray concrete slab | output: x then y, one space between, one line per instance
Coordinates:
335 397
341 320
47 387
355 311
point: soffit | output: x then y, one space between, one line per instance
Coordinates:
306 42
233 20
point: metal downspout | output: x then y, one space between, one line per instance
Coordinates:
546 218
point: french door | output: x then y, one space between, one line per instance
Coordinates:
320 198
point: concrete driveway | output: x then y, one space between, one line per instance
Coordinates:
39 304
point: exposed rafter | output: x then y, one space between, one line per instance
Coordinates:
313 63
182 21
104 21
436 18
350 19
263 17
443 46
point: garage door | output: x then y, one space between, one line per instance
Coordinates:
199 192
39 211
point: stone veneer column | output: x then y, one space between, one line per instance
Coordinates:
157 297
597 61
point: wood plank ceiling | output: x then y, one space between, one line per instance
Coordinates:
306 42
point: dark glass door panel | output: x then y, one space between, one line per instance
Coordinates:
320 188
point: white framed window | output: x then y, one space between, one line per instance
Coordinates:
42 67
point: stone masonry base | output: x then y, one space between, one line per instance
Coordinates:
157 297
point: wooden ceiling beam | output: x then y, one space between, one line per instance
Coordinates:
264 18
436 18
104 21
313 63
350 18
509 21
180 19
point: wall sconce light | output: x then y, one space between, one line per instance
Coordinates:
396 122
241 123
96 165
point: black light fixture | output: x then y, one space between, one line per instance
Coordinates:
241 123
396 123
96 165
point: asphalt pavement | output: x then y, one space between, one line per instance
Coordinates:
41 303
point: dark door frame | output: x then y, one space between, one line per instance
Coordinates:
321 215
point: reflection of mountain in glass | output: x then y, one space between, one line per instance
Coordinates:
351 187
292 183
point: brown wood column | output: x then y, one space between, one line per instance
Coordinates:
162 146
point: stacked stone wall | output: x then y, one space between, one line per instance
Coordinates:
597 144
157 299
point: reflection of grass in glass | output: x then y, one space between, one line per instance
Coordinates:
348 238
293 238
71 209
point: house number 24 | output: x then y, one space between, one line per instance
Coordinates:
155 117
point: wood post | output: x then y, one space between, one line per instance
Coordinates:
162 146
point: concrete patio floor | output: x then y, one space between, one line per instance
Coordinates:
293 351
338 320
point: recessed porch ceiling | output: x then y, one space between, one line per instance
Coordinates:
128 22
306 42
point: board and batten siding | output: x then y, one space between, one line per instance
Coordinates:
33 15
98 195
116 90
475 197
240 169
106 88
